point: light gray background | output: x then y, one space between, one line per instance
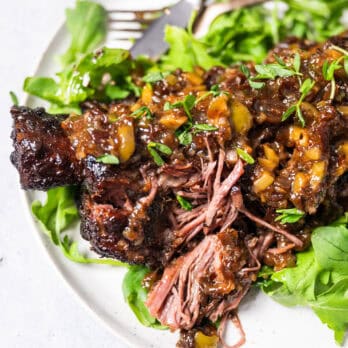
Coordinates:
36 307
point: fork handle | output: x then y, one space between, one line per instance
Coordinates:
211 12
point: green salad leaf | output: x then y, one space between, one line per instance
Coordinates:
87 25
84 79
185 51
135 295
319 280
55 216
248 34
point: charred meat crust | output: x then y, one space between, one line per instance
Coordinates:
42 153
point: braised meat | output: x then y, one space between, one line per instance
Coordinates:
42 153
202 161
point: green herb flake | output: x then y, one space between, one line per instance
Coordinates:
153 149
184 136
289 216
245 70
143 110
245 156
288 112
14 98
204 128
279 60
329 70
185 204
187 104
253 84
108 159
272 71
305 89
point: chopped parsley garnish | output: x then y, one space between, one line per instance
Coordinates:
108 159
203 127
245 156
305 88
154 148
184 203
144 110
214 91
289 216
187 104
184 135
272 71
330 68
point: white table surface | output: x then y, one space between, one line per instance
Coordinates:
36 307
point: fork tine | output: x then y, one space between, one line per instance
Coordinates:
129 16
124 35
126 26
125 44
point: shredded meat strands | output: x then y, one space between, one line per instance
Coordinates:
204 221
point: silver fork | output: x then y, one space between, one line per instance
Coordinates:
127 25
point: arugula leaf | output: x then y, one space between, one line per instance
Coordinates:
319 280
245 156
152 147
14 98
331 244
332 308
185 52
108 159
248 34
84 80
143 110
116 92
154 76
184 203
87 24
55 216
289 216
135 295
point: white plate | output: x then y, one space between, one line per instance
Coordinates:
266 323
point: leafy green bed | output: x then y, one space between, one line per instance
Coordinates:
320 278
